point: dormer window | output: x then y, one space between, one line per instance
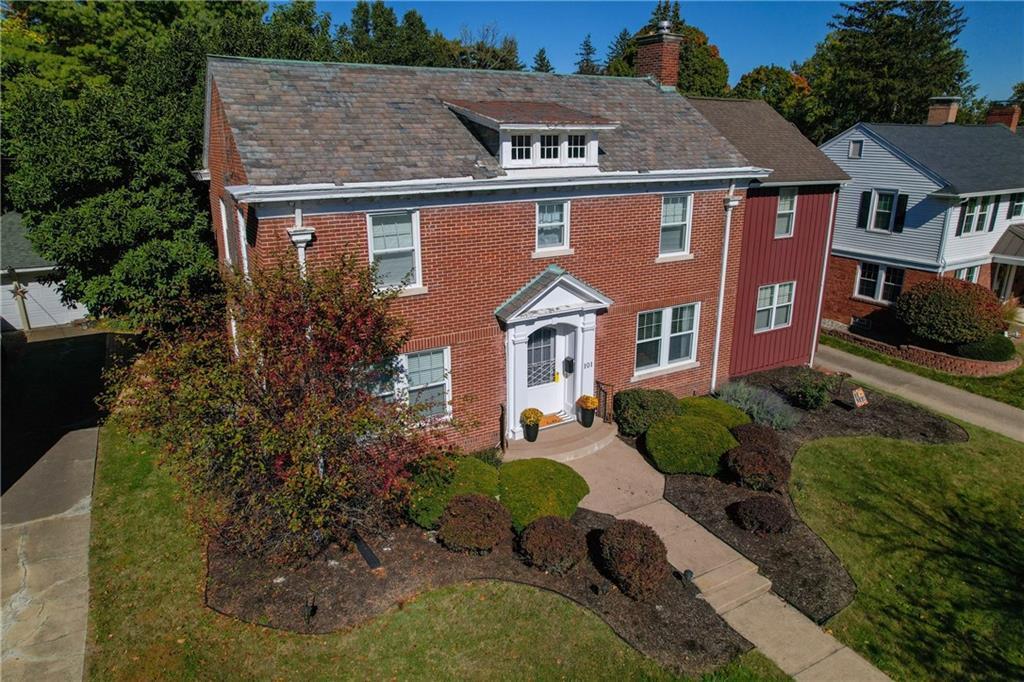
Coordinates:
522 147
549 147
536 134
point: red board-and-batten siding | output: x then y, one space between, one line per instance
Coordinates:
767 260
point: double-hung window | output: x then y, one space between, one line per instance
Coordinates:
576 148
975 214
675 224
552 225
785 216
885 211
1016 209
879 282
423 381
666 337
549 147
522 147
774 306
968 274
394 248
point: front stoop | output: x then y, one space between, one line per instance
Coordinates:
563 442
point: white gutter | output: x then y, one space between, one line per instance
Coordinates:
802 183
824 271
731 202
971 195
256 194
940 257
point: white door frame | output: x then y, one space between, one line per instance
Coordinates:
585 325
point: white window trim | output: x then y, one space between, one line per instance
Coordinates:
1017 205
586 149
226 231
874 205
992 209
663 256
774 306
415 286
243 241
968 274
560 149
590 149
534 148
563 249
401 386
879 285
666 334
849 149
792 213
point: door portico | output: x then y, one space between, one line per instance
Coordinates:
550 341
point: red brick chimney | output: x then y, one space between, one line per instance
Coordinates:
942 110
1007 114
658 55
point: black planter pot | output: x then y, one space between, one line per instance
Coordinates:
586 417
531 431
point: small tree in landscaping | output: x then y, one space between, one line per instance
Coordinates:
949 311
280 427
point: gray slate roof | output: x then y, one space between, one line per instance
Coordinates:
767 139
15 249
1011 244
505 111
307 122
984 158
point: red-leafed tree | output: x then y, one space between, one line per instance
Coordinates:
279 425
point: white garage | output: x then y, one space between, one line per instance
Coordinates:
29 301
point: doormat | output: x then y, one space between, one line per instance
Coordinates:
550 420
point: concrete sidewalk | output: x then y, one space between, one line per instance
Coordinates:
985 412
45 539
623 484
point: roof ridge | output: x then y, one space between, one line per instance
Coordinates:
523 72
727 99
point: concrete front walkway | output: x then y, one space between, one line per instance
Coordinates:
45 547
985 412
623 484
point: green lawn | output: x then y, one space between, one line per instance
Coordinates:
934 537
1008 388
147 619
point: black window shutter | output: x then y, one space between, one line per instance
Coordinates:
1014 198
995 212
960 223
901 213
865 209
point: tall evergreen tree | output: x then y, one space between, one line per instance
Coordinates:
882 62
586 64
541 62
620 55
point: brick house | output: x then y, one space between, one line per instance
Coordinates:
926 201
551 235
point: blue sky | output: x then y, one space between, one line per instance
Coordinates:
747 33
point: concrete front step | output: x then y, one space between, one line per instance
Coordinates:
723 575
737 592
564 442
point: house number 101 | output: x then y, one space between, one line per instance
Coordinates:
588 365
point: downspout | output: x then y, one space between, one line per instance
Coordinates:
301 237
824 272
941 256
731 202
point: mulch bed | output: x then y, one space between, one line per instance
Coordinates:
802 568
678 630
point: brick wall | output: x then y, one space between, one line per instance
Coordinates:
841 305
984 275
474 257
943 362
226 169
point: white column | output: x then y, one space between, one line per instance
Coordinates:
301 237
516 378
588 344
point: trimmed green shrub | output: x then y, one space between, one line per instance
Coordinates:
763 406
432 492
474 523
757 437
637 408
808 389
716 410
532 488
553 544
635 558
950 311
761 514
756 469
688 445
995 348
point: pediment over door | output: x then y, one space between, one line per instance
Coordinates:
554 291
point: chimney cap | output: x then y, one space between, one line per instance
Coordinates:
944 99
664 26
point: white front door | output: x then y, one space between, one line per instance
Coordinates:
545 386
